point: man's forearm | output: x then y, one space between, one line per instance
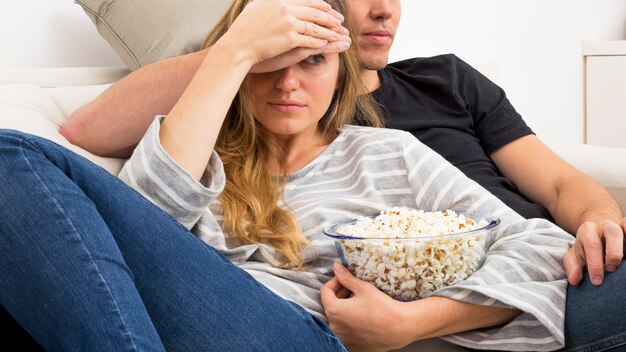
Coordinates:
581 199
570 196
115 121
447 316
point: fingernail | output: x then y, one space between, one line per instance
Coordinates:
338 267
611 268
575 276
596 280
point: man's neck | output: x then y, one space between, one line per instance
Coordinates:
371 79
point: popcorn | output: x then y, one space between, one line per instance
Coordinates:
409 254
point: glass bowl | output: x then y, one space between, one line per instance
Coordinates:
410 268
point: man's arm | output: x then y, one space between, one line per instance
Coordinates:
113 123
577 203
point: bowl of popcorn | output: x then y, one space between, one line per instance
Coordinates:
408 253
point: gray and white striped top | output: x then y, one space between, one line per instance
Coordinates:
363 171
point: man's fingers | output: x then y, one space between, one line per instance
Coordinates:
614 245
594 251
622 224
574 263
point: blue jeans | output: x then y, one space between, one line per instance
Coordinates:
595 317
87 263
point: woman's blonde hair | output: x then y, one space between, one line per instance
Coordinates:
251 196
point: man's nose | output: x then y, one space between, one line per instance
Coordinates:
382 9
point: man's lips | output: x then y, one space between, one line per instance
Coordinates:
287 106
379 37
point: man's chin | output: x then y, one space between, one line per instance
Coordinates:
374 64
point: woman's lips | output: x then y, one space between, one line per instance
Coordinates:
287 107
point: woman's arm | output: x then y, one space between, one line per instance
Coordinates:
389 324
114 122
263 30
522 268
173 165
190 130
522 281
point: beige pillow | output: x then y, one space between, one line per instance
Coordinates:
144 31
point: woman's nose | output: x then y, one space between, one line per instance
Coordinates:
288 79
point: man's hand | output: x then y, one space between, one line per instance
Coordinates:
599 247
368 320
578 205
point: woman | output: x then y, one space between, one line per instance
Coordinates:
256 164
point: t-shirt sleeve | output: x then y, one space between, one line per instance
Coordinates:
496 122
522 267
153 173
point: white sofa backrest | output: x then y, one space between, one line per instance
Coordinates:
43 110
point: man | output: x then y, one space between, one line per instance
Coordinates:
448 106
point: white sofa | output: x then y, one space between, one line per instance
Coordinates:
39 101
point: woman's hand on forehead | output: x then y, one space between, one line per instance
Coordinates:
296 55
267 29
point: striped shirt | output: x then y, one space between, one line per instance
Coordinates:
363 171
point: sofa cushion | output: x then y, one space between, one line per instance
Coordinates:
603 164
144 31
42 112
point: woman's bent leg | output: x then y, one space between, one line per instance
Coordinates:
62 275
595 317
195 298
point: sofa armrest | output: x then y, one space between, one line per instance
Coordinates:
607 166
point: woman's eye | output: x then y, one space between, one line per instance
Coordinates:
314 59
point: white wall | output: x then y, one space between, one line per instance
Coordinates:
603 19
32 31
535 45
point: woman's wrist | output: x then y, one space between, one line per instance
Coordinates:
234 52
418 322
439 316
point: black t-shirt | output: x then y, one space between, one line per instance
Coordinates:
459 113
